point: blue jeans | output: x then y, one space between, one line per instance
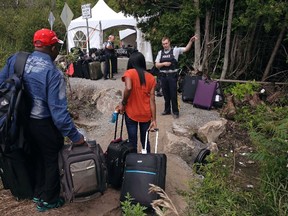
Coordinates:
132 129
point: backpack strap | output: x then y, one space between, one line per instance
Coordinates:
20 62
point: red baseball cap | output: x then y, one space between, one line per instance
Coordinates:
45 37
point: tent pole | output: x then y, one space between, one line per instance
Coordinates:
88 40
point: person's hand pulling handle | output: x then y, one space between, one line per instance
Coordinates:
153 125
82 141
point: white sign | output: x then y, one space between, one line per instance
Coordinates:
86 11
51 19
66 15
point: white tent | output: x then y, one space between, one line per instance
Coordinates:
103 17
128 37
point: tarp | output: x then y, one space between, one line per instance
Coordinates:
103 17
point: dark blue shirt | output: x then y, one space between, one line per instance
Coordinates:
47 88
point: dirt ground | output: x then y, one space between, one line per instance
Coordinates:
178 172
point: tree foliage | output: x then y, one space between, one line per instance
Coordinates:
257 44
256 26
20 19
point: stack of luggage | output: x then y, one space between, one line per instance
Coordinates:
88 67
202 92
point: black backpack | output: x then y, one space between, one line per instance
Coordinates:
12 107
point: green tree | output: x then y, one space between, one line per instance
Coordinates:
255 28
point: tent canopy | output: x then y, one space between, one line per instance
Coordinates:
103 17
128 37
125 33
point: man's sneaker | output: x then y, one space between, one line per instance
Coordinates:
112 78
44 206
37 200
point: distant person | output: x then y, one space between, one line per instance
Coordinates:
110 58
167 62
138 99
49 120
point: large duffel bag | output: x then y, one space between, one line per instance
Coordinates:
95 70
142 170
17 173
83 171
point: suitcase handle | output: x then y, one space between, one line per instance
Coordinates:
90 144
144 151
116 126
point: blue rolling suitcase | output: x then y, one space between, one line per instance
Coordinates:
205 94
142 170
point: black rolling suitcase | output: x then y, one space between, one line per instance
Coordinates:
78 71
85 69
17 173
189 88
142 170
116 154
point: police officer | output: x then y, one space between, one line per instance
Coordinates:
110 58
167 62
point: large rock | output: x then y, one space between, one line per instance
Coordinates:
183 130
212 130
184 147
182 139
106 100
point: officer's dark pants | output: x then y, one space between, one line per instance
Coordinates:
110 66
46 144
169 90
114 64
108 73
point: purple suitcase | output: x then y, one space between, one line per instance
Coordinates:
205 93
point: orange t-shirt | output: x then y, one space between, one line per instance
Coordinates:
138 104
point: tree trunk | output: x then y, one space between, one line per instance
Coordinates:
197 42
227 44
274 52
204 65
220 40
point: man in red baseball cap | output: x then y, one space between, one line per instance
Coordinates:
48 119
44 39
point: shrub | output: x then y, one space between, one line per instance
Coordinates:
130 209
240 90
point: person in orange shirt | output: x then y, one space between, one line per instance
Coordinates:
138 101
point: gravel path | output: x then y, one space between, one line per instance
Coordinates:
188 114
